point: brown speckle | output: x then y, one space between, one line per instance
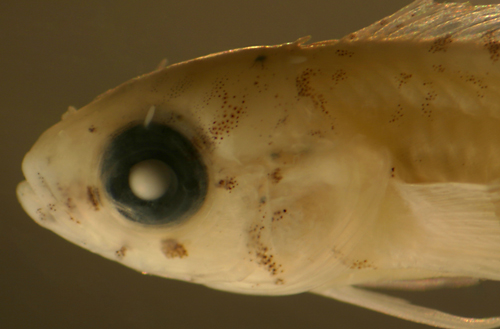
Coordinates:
69 204
279 282
171 248
73 219
441 44
339 75
228 183
361 264
41 178
305 89
344 53
41 214
397 115
430 96
278 215
478 82
262 253
92 128
230 111
275 176
94 196
438 68
121 252
492 45
403 79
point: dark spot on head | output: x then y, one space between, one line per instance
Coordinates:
260 58
171 248
94 196
92 128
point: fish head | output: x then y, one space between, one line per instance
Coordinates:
211 171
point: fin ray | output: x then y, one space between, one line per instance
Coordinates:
405 310
425 19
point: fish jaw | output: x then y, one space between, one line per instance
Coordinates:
31 204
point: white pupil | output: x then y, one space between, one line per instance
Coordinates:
149 179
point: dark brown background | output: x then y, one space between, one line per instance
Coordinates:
59 53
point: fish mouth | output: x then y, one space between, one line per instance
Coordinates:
32 205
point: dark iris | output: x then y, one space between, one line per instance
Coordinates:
154 142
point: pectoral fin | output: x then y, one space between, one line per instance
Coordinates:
405 310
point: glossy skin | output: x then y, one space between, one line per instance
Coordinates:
364 152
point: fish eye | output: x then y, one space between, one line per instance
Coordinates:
153 174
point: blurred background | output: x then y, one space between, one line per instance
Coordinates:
59 53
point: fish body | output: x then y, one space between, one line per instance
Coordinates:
370 160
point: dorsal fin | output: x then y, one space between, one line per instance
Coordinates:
425 19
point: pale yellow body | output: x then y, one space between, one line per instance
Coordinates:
366 160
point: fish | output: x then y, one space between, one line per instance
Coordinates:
371 161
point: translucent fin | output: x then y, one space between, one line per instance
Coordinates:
424 284
163 64
459 228
424 19
405 310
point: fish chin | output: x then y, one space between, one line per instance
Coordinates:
32 204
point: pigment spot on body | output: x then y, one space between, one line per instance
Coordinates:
228 183
278 215
171 248
41 215
344 53
92 128
492 45
362 264
438 68
120 253
275 175
94 197
397 114
180 87
305 89
229 111
430 96
477 82
260 60
403 78
260 253
339 75
441 44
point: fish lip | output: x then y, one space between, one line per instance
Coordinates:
32 204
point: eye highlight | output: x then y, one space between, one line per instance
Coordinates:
154 175
150 179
